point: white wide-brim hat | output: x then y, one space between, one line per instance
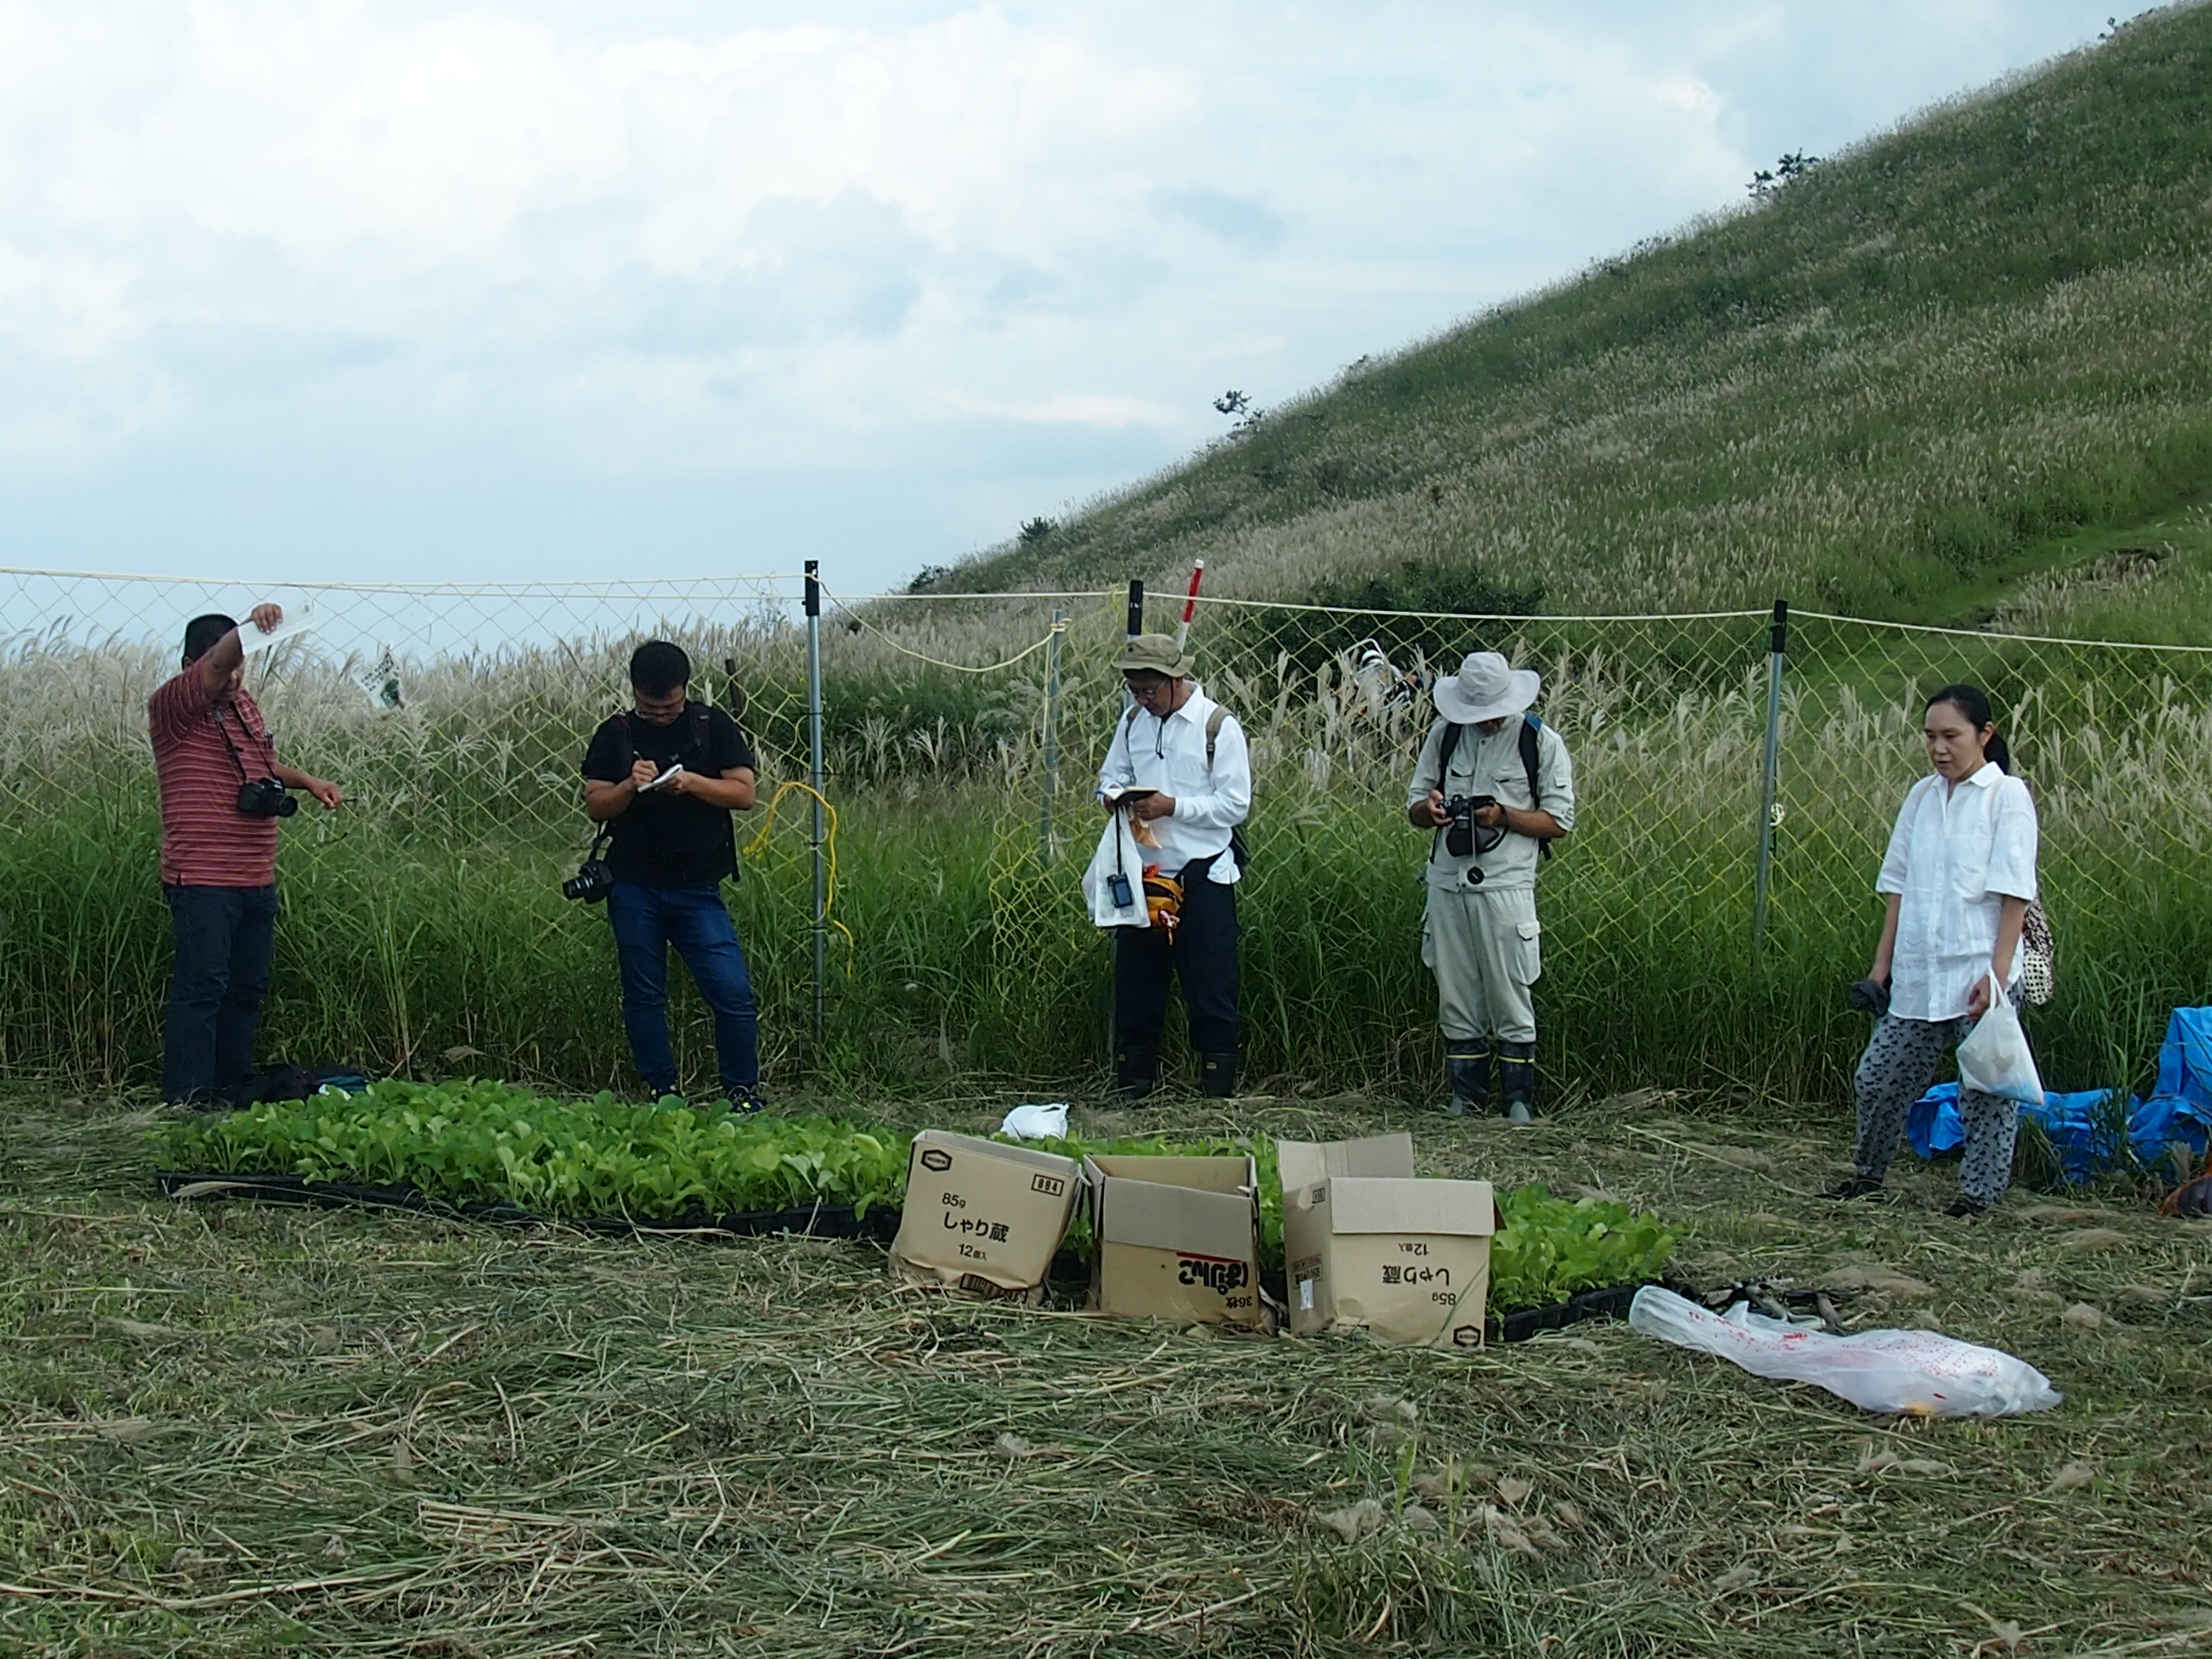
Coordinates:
1487 687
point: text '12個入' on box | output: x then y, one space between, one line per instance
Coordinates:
1369 1247
982 1216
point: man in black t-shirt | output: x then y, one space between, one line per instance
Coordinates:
664 778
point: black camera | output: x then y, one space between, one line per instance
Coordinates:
265 798
1463 836
593 880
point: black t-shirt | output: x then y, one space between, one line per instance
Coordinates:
667 840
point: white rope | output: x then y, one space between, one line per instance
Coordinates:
996 599
675 587
860 621
1484 615
1983 633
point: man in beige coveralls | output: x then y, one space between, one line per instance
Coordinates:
1480 934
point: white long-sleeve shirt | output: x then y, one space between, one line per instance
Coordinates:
1955 856
1169 755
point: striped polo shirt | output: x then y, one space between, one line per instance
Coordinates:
206 842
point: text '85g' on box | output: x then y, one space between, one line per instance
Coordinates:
982 1216
1370 1248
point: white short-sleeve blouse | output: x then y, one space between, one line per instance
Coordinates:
1956 854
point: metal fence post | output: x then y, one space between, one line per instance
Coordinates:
1135 623
1777 640
1051 733
815 777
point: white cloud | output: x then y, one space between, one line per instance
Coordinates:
1078 409
742 250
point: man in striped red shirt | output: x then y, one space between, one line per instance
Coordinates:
218 861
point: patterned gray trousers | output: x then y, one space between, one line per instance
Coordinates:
1900 1060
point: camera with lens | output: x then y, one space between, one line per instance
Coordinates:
265 798
593 880
1463 836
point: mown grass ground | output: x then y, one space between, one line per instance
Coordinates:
235 1429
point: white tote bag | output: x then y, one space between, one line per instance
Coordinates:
1118 855
1995 1057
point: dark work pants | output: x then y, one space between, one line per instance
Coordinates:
1203 956
646 921
226 939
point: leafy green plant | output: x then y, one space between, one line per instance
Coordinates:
487 1142
474 1141
1549 1248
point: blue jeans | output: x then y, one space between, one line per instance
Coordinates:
226 941
646 921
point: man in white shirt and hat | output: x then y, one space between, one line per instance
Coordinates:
1179 760
1493 787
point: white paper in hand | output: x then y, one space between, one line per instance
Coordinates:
662 778
296 623
1036 1122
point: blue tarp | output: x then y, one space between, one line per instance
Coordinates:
2081 1126
2185 1061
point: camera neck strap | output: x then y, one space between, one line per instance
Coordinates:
222 730
1525 742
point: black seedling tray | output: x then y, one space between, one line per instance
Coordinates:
1520 1324
819 1221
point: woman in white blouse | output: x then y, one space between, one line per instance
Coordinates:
1958 878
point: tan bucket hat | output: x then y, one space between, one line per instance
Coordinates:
1156 653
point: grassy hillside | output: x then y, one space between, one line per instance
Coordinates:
1948 374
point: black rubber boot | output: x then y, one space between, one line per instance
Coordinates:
1136 1071
1469 1069
1217 1076
1517 1080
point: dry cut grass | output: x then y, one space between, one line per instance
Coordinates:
233 1428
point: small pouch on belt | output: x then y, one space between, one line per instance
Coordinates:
1162 900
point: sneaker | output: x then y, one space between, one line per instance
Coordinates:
1516 1111
1964 1209
1858 1186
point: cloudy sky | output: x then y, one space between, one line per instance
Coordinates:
412 290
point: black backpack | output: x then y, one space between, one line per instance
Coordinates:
1530 727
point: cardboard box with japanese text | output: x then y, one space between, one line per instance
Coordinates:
1177 1238
1368 1246
982 1216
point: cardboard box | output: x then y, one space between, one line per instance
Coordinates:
982 1216
1177 1238
1369 1247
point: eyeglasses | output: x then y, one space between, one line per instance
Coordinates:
1144 690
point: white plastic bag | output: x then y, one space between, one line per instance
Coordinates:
1036 1122
1117 854
1921 1373
1995 1057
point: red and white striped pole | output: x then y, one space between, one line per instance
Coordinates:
1189 603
